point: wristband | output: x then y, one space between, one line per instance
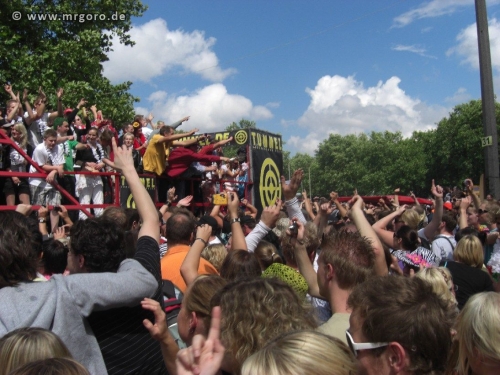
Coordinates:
42 220
202 240
237 220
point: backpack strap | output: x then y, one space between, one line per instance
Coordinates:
447 239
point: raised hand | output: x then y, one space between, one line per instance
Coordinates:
204 356
290 190
270 215
436 190
185 202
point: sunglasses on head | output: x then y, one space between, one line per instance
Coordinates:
480 211
355 347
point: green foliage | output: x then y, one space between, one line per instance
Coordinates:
379 162
69 54
231 150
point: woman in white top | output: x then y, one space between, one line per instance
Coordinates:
18 186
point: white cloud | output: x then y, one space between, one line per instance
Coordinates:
273 104
211 108
343 106
414 48
433 8
467 48
158 50
460 96
426 29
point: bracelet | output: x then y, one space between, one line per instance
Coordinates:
237 220
202 240
42 220
300 242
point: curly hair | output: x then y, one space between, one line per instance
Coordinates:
240 264
215 254
255 311
302 352
311 242
441 281
100 241
18 259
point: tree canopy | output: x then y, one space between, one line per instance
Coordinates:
66 52
377 163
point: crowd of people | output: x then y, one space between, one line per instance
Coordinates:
75 139
305 286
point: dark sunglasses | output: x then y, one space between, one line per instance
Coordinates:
480 211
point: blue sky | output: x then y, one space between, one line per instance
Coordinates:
305 69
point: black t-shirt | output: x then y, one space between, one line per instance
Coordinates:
126 345
469 281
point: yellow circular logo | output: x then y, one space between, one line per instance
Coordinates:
241 137
270 188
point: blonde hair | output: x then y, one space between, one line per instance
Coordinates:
478 334
469 251
302 352
255 311
29 344
128 135
215 254
52 366
441 281
21 129
412 218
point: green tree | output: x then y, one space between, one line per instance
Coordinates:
231 150
455 152
242 124
67 53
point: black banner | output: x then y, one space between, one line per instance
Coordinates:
240 137
126 199
266 161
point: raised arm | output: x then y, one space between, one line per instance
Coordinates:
307 203
268 219
365 229
305 266
175 138
431 228
176 124
290 192
334 198
191 263
238 237
60 110
249 209
464 205
147 211
470 191
387 236
415 200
